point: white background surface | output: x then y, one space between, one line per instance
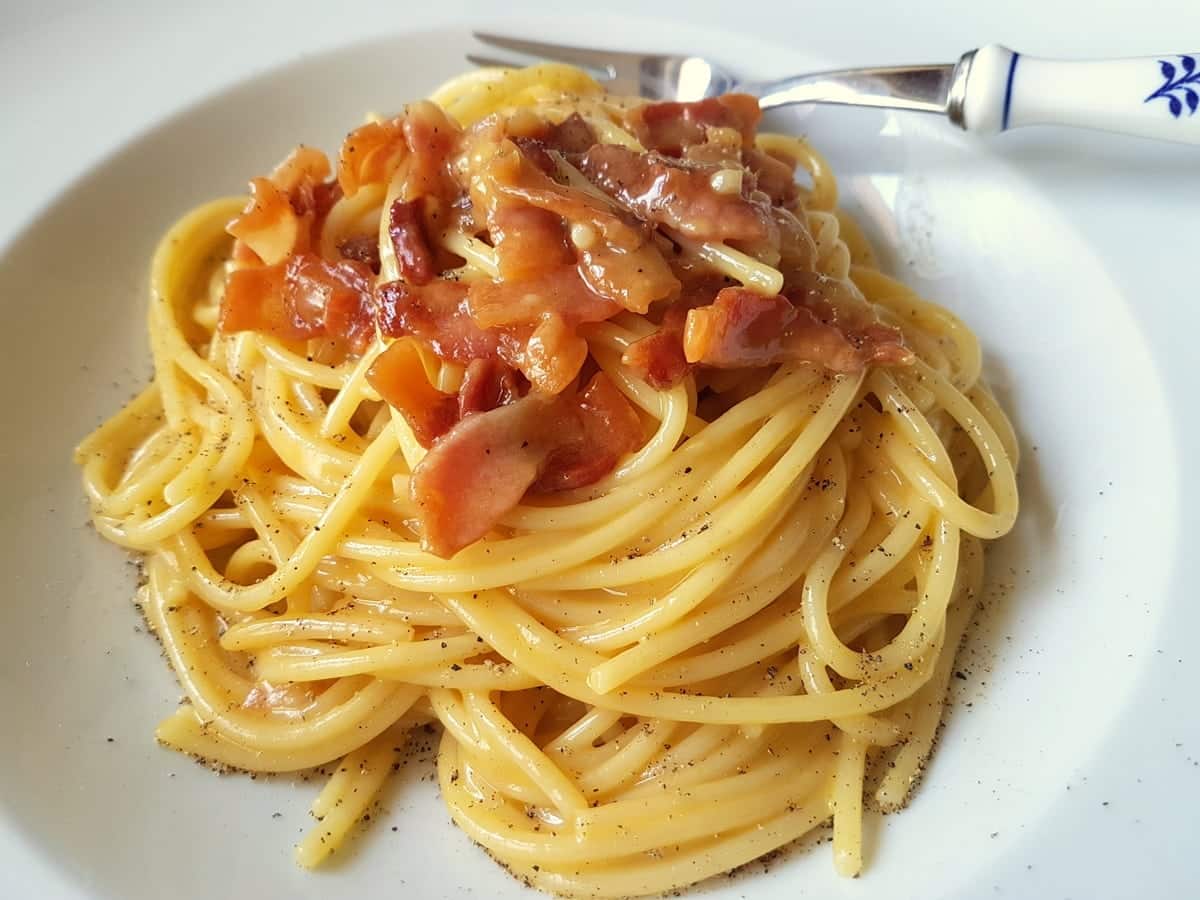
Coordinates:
77 82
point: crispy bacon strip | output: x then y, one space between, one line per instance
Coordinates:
254 301
268 225
436 313
398 374
659 358
742 329
528 241
406 228
477 472
618 261
510 177
571 137
424 137
739 328
680 196
672 127
560 292
540 343
609 428
489 383
285 211
552 356
432 138
482 467
773 176
304 298
632 280
400 377
371 154
541 316
361 248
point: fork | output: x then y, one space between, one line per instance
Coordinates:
988 90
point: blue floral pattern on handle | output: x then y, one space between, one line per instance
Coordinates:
1181 85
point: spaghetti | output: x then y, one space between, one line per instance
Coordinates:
574 424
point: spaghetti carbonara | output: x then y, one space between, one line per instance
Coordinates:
581 426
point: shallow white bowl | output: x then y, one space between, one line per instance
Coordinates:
1058 669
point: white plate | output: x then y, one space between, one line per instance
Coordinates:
1075 724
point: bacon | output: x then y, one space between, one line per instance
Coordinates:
837 304
671 127
659 358
363 248
740 328
560 292
541 315
536 151
632 279
324 196
797 248
680 196
510 178
371 154
487 384
571 137
406 228
773 176
531 241
436 313
300 172
618 260
286 211
305 298
609 428
432 138
722 147
483 466
424 137
743 329
498 321
336 298
477 472
253 301
552 356
398 374
528 241
268 225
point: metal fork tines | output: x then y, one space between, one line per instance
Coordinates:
680 77
657 75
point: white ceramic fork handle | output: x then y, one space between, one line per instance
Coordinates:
1152 96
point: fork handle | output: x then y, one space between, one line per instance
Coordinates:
1154 96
